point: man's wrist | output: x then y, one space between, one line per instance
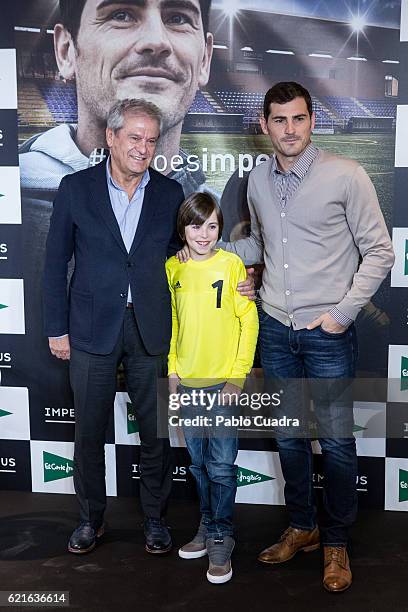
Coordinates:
341 318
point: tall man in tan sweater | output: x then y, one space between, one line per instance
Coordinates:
317 224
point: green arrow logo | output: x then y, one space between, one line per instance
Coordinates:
56 467
4 413
403 486
358 428
132 424
2 195
3 306
404 373
248 477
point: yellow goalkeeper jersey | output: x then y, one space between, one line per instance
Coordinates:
214 329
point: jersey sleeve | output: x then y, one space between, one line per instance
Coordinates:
247 313
172 358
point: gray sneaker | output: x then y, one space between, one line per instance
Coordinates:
196 548
219 555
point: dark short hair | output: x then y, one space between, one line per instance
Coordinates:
284 92
71 13
195 210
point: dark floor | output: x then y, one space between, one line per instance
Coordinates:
119 575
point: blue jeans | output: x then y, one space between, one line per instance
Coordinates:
213 450
326 360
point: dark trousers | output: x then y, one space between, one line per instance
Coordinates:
93 380
327 360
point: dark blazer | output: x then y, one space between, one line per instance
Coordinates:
83 224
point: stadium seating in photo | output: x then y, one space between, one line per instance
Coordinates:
46 102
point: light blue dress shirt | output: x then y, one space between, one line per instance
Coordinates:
127 212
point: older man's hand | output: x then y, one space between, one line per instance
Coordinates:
184 254
60 347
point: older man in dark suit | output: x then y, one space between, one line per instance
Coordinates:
118 220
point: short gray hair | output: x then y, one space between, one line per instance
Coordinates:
133 106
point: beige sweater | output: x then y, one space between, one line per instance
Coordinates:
328 247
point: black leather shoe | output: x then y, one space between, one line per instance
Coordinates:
83 539
158 539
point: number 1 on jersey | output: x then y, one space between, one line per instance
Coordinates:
218 286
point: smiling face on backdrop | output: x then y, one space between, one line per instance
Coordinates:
151 49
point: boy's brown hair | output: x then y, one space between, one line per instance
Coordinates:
195 210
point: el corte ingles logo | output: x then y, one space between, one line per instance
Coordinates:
4 413
3 306
404 373
248 477
403 485
56 467
132 424
357 428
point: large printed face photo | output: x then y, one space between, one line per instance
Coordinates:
155 49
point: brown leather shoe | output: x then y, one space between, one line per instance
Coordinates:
290 542
337 574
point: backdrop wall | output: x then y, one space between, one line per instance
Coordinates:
362 112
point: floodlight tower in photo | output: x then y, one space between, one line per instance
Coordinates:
358 23
230 10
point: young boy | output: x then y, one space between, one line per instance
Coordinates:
212 348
